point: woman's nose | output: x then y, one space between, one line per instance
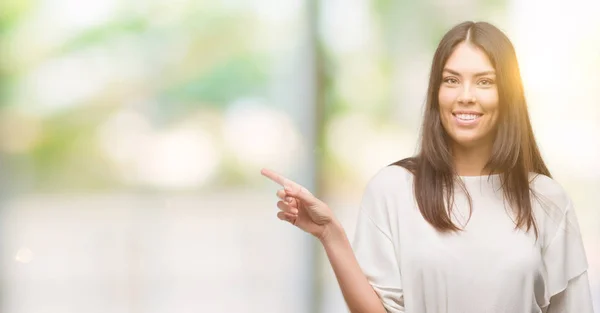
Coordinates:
466 96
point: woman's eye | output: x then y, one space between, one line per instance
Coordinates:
486 82
450 80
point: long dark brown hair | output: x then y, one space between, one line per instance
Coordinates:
515 153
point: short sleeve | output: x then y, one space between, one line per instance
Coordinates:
566 268
375 253
575 298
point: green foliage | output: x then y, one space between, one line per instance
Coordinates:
104 33
243 75
11 12
203 55
68 155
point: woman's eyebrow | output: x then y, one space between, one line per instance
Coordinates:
453 72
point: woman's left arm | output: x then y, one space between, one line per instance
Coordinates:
575 298
565 261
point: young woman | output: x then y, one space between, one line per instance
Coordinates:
473 223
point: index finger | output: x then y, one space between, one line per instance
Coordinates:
275 177
290 186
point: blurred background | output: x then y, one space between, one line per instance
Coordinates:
132 134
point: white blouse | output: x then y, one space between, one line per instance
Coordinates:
488 268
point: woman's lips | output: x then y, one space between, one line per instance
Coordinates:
467 119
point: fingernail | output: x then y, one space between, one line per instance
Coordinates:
295 211
287 188
288 199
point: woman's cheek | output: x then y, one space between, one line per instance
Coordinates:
488 99
446 98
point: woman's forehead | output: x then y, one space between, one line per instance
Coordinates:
468 59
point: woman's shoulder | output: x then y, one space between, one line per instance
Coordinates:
391 177
389 182
555 214
549 190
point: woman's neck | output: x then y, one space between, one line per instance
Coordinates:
471 161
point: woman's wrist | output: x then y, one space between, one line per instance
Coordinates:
332 232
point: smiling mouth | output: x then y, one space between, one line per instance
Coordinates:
467 116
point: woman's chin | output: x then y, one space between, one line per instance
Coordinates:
467 140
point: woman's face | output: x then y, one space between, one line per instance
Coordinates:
468 97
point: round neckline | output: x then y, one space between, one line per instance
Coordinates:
477 177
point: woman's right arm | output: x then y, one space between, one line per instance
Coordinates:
367 271
356 289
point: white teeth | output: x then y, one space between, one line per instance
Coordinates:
467 117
